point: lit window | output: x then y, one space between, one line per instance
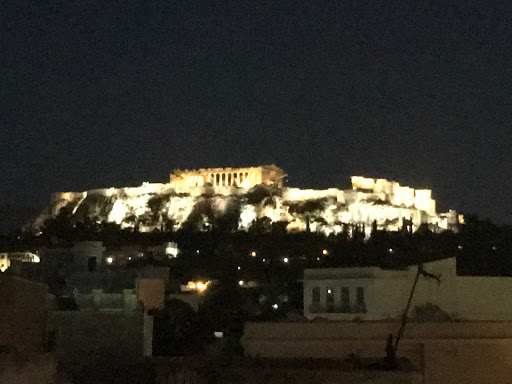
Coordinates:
329 299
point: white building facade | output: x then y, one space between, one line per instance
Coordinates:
376 294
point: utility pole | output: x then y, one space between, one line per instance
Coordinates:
391 348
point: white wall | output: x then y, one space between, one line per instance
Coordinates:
387 292
446 353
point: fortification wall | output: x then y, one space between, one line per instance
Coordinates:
155 205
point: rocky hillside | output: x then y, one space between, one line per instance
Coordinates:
160 206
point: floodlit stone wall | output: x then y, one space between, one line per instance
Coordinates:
329 211
396 194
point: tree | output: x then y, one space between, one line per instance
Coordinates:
178 330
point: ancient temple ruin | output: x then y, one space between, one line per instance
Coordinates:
225 177
370 203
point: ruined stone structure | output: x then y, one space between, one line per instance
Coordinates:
396 194
223 177
370 203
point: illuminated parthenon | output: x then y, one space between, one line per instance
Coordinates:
225 177
369 202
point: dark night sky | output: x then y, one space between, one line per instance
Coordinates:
98 94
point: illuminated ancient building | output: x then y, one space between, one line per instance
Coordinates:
224 177
396 194
370 203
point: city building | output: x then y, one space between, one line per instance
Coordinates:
372 293
22 257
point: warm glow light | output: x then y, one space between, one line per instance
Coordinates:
110 260
325 252
198 286
241 282
253 254
285 259
275 306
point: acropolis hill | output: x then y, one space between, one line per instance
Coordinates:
199 198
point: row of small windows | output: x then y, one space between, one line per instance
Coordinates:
220 179
343 305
